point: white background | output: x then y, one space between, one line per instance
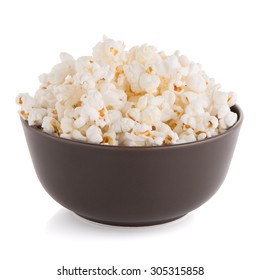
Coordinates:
38 235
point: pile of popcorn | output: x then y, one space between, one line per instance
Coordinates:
139 97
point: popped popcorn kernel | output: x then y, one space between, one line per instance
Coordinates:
140 97
94 134
51 125
24 115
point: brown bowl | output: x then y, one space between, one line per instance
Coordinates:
131 186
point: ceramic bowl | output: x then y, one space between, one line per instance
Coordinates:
131 186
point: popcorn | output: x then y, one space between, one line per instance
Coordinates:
58 73
51 125
143 54
232 98
133 72
196 83
94 134
109 51
110 138
151 115
66 125
122 125
77 135
36 115
139 97
149 82
228 120
26 101
113 97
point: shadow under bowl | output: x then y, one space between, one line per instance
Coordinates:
131 186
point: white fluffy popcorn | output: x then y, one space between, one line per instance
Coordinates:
94 134
139 97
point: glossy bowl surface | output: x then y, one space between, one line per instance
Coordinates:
131 186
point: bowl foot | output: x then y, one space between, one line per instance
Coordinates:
129 224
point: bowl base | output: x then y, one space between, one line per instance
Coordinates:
129 224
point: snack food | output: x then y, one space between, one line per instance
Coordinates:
139 97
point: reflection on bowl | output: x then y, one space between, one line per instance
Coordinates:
131 186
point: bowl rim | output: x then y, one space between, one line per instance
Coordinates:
238 123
